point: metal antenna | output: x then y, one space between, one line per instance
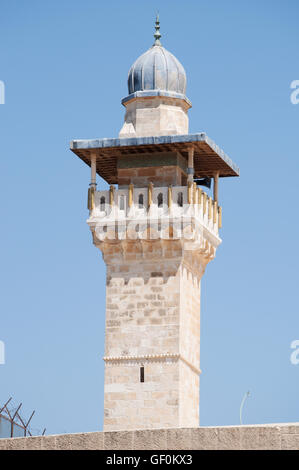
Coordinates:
242 404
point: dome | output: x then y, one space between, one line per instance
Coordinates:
156 104
157 69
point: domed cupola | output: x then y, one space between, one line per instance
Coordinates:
156 80
157 69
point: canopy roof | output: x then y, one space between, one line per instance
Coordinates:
208 157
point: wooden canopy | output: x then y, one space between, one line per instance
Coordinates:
208 157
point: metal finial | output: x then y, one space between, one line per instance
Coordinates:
157 34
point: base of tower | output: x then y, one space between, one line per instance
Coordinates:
282 436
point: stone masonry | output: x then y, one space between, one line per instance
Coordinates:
152 322
155 260
157 231
259 437
163 169
155 116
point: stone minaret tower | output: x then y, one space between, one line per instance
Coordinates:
157 230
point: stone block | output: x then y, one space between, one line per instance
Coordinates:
48 443
289 428
17 443
87 441
119 440
65 441
290 441
179 439
204 438
33 443
269 438
229 438
3 444
150 439
249 437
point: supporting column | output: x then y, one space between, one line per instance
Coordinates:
150 195
190 169
111 195
169 196
216 180
194 193
131 189
93 182
93 179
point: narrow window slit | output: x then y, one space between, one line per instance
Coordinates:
122 203
180 199
142 374
140 201
102 203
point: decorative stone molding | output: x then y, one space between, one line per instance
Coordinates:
150 357
126 251
140 358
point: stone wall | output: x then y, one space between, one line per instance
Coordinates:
159 115
258 437
162 169
160 175
152 322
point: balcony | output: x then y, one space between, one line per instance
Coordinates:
154 212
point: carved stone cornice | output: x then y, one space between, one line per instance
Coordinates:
126 250
137 359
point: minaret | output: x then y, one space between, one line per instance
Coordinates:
157 230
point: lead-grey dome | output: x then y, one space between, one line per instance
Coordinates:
157 69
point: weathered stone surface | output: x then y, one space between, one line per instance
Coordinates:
290 442
158 115
49 443
177 439
80 441
64 441
18 443
204 438
258 437
150 439
120 440
229 438
34 443
249 438
160 335
269 438
288 428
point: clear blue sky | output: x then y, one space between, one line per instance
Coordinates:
64 64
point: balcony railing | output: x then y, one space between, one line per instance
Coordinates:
154 203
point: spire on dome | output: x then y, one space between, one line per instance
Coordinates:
157 34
